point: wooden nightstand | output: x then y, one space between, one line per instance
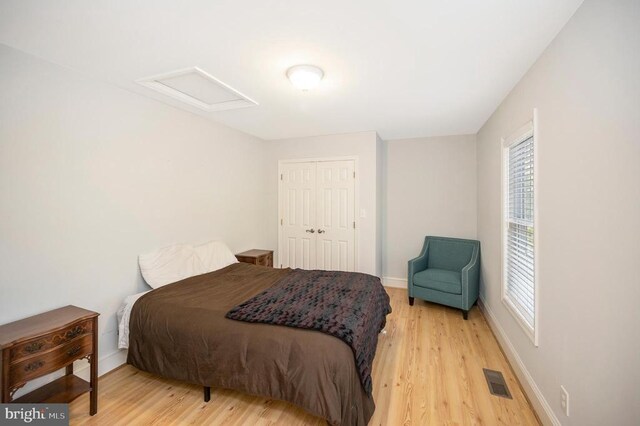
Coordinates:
256 257
44 343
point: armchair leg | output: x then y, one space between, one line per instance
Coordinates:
207 393
465 314
411 299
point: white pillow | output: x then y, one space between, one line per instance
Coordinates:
170 264
214 255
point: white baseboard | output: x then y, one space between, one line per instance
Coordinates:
394 282
540 404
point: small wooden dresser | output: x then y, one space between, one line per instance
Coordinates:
256 257
42 344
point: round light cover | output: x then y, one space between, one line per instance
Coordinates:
305 77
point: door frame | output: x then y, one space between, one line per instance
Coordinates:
356 212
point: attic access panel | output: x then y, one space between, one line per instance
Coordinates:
197 88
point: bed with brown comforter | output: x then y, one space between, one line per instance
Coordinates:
180 331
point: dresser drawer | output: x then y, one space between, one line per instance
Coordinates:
38 365
44 343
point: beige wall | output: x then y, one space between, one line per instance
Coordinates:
91 176
380 202
430 189
364 145
586 87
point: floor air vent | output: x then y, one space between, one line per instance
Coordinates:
497 385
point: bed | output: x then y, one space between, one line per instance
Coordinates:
180 331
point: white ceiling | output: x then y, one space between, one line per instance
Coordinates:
402 68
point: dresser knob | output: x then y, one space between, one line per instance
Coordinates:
33 347
33 366
76 331
73 351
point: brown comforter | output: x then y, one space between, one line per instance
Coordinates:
180 331
347 305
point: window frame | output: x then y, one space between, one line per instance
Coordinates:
525 132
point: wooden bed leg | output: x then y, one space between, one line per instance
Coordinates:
207 393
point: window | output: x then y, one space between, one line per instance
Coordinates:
519 286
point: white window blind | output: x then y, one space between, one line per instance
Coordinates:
519 281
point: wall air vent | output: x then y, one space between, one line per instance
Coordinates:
197 88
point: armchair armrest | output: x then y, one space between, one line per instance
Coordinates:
470 280
417 264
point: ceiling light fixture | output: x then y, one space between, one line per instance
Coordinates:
305 77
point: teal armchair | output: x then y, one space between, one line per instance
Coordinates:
446 272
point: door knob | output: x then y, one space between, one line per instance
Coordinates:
320 231
311 231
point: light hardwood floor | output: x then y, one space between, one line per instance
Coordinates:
427 371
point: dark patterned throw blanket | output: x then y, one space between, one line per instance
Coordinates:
347 305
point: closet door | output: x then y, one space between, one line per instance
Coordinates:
335 218
298 215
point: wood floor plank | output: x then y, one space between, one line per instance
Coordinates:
427 371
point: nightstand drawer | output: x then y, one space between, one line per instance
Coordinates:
44 343
264 261
56 358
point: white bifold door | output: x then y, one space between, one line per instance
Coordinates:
317 215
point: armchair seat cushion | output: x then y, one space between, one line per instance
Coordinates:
439 279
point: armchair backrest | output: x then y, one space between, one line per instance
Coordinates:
451 254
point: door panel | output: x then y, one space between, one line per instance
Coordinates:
336 215
298 215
